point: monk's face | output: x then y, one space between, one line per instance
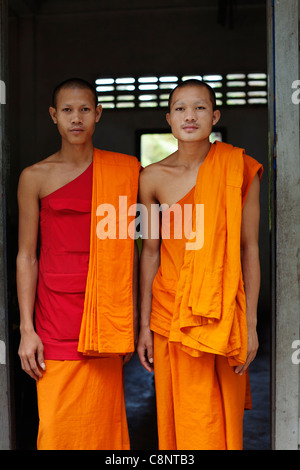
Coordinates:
191 115
76 115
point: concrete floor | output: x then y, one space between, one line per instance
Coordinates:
141 411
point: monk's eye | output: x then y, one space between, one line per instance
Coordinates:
85 110
66 110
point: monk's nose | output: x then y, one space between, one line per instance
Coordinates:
76 118
190 115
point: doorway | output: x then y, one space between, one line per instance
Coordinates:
40 35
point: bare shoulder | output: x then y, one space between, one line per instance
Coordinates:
150 179
157 171
32 177
154 177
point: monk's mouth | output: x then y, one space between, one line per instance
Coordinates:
76 131
190 128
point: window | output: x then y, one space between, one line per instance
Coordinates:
234 89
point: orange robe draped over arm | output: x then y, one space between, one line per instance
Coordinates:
107 323
210 304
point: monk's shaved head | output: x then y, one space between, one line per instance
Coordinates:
73 83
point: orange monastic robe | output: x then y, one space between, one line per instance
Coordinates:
81 405
198 312
81 401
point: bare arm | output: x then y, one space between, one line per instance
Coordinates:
251 267
31 348
149 264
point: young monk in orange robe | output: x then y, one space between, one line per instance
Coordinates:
192 281
79 286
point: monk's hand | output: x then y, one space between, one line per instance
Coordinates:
251 352
145 348
31 353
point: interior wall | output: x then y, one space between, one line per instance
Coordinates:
179 41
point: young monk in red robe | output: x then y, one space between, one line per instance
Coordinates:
199 287
82 288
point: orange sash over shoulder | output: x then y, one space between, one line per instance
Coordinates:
210 305
107 322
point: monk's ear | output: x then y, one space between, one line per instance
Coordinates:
52 112
216 117
98 112
168 118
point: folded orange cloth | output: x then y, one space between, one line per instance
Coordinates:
210 305
107 323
